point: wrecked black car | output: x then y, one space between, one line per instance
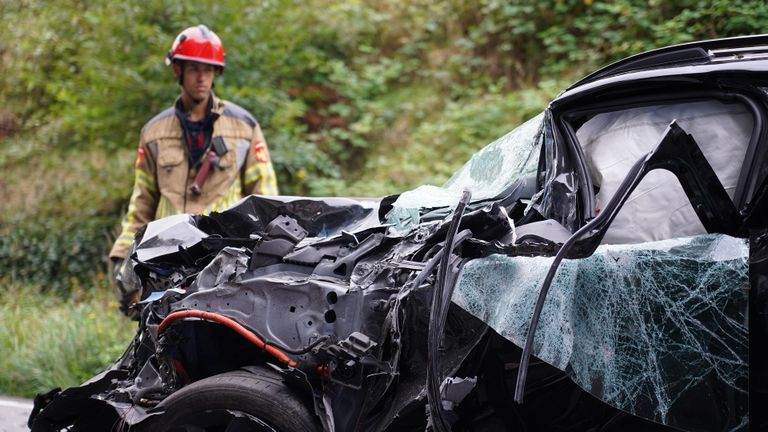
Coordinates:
600 268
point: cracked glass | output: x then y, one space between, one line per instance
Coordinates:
486 175
494 168
657 329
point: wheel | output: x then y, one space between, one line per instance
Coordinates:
235 401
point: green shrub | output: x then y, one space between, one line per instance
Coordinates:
48 342
59 217
355 97
441 137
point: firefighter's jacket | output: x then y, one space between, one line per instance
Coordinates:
163 175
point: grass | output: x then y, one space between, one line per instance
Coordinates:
47 341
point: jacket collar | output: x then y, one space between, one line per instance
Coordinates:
215 107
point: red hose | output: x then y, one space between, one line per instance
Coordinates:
232 324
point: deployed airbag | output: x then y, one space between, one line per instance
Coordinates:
659 209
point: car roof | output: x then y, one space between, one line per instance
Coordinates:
741 48
690 62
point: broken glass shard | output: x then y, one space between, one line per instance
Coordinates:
657 329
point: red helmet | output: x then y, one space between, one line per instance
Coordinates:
197 44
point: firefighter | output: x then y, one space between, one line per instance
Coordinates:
202 154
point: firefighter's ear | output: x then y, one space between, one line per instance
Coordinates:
177 70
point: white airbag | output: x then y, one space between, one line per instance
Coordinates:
658 209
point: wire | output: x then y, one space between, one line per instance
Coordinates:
439 312
594 226
232 324
430 265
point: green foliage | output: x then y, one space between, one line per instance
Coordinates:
446 135
48 342
54 255
59 210
358 97
613 30
97 67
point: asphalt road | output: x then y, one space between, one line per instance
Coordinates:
14 413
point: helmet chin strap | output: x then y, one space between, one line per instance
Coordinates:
181 74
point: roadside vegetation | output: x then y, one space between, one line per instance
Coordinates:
356 98
48 341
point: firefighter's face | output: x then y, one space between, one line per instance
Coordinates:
197 79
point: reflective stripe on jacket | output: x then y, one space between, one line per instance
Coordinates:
163 175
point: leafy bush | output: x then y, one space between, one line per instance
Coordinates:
441 135
355 52
355 97
59 212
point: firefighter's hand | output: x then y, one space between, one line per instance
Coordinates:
127 295
117 265
128 304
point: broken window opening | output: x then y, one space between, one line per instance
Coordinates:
658 209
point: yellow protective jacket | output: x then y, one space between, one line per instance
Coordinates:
164 176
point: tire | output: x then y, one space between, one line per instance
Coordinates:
238 400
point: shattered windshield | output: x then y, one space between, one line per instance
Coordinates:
486 175
494 168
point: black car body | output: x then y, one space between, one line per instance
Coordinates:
605 271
